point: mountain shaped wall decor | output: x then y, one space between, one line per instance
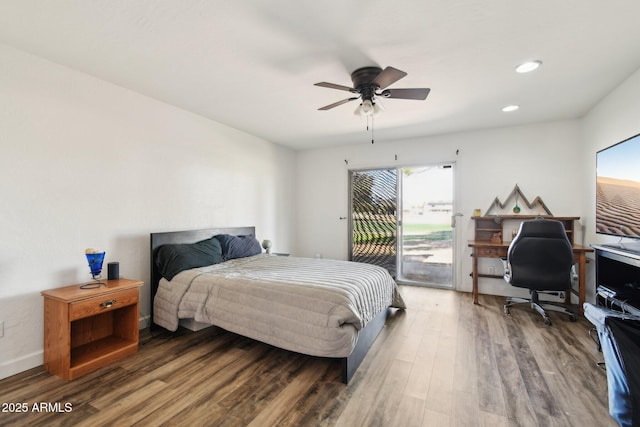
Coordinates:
517 193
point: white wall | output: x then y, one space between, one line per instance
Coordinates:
85 163
612 120
540 158
555 161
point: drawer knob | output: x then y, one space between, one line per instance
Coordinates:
108 303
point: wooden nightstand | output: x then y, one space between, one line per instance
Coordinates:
85 329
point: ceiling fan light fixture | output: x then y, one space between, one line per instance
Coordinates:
377 107
366 108
527 67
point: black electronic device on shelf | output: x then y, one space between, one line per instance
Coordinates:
618 280
624 302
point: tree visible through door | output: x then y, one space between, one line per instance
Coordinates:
401 219
373 217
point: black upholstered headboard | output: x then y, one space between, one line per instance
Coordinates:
188 236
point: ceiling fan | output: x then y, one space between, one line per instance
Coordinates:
372 82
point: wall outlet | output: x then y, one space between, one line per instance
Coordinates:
1 328
492 270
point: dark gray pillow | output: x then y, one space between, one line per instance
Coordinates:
238 246
173 258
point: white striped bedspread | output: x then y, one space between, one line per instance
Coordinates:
306 305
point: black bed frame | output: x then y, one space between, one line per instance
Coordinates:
366 336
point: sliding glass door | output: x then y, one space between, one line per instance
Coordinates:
373 218
402 219
425 252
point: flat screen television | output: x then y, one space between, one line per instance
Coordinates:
618 189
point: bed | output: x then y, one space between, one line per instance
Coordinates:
319 307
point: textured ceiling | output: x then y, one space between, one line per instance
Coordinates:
252 64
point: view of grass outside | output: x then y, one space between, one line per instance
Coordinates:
426 233
427 236
386 229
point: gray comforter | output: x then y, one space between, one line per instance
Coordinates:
311 306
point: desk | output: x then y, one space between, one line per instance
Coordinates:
483 249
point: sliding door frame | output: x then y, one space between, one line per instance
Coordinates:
399 216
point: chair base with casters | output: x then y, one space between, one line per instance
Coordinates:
539 306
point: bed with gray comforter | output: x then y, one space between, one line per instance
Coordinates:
307 305
319 307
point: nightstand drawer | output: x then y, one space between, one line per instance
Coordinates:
102 303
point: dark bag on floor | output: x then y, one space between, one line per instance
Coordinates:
622 357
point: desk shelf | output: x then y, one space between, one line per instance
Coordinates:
486 226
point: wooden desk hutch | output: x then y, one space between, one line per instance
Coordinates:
489 243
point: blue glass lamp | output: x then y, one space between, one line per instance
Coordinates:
95 260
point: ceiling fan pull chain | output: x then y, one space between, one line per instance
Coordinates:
372 130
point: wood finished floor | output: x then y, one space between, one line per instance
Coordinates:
443 362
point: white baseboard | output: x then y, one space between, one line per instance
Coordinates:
35 359
21 364
144 322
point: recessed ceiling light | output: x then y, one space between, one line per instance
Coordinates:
528 66
510 108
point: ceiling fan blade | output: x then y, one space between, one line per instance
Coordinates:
335 104
387 77
419 94
335 86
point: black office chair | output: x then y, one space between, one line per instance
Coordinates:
540 258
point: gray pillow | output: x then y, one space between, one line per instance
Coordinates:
173 258
238 246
